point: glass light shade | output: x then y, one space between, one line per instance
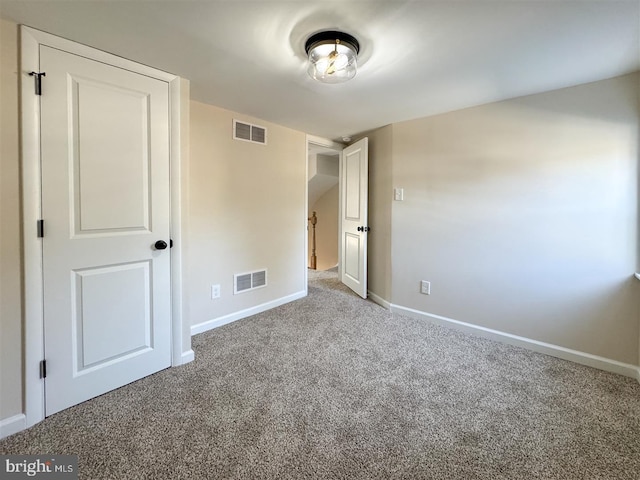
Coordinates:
332 57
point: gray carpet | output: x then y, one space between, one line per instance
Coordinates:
334 387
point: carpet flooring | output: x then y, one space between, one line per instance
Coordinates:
334 387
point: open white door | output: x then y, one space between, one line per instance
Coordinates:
353 216
106 210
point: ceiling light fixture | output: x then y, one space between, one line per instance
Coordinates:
332 56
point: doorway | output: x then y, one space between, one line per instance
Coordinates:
323 187
352 228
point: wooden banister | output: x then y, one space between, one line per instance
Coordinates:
313 219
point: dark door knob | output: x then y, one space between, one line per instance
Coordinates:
160 245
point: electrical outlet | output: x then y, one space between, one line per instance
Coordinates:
425 287
215 291
398 194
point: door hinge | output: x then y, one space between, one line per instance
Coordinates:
38 80
43 369
40 228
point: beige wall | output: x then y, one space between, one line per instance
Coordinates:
380 197
327 239
10 237
246 212
523 216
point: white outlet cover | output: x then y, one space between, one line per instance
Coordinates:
425 287
215 291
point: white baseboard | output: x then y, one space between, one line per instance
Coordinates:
187 357
576 356
379 300
232 317
12 425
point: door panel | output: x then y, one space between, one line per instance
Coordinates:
105 201
101 165
353 182
108 329
352 256
355 163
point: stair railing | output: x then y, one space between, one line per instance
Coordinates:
313 219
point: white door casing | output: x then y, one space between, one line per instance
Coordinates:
108 318
354 216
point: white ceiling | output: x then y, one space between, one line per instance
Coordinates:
418 58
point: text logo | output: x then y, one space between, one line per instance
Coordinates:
51 467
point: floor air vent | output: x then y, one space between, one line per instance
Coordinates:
249 133
243 282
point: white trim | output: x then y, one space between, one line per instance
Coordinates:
232 317
324 142
379 300
175 225
185 154
177 93
11 425
576 356
31 212
44 38
306 216
188 356
31 40
340 216
637 275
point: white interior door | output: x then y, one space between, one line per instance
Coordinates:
353 211
105 204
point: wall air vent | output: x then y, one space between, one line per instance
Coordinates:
258 134
249 133
241 131
259 279
243 282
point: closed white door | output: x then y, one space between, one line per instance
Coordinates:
354 208
105 204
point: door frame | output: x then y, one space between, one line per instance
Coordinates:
338 147
33 307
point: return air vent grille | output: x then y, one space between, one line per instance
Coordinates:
242 131
249 133
243 282
259 279
258 134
